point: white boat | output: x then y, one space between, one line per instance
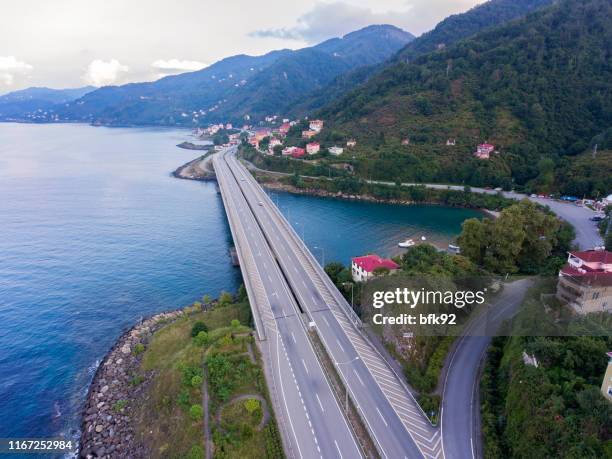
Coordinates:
406 243
454 248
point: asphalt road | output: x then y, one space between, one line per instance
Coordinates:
460 417
316 421
382 419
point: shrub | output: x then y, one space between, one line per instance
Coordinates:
196 381
225 298
196 412
183 398
198 327
196 452
137 380
235 323
119 405
251 405
197 306
139 349
201 339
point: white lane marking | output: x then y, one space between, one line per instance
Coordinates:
305 367
325 320
320 404
340 345
358 377
381 417
338 448
293 336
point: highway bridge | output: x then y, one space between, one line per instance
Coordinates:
288 288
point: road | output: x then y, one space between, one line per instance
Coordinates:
460 416
308 413
395 422
587 234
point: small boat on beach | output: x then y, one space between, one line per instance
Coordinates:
407 243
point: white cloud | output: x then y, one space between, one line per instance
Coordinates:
10 67
327 20
176 65
104 73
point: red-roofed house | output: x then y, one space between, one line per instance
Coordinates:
298 152
316 125
585 282
313 148
308 134
284 128
484 150
362 268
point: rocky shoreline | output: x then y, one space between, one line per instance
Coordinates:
106 429
196 169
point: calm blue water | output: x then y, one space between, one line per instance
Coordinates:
95 234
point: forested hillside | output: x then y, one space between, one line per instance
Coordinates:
237 86
446 33
538 88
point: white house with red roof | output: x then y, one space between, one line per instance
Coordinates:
585 282
362 268
313 148
484 150
606 385
316 125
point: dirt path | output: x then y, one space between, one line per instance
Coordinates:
264 407
207 436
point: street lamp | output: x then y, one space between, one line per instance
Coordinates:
303 230
346 388
346 284
322 254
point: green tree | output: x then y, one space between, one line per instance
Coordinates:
235 323
196 381
333 269
473 240
196 412
225 299
206 299
201 339
198 327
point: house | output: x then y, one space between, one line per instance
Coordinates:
585 282
228 126
484 150
606 385
316 125
450 142
261 133
313 148
335 150
351 143
607 201
295 152
406 141
298 152
308 134
284 128
274 142
362 268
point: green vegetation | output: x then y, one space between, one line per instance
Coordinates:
524 86
169 420
555 410
523 239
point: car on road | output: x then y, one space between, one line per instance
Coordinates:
261 203
596 218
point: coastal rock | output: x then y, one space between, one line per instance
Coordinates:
106 432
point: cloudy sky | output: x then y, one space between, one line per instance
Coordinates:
70 43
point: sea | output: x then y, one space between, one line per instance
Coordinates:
96 234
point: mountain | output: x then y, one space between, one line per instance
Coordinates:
446 33
538 88
239 85
464 25
35 101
